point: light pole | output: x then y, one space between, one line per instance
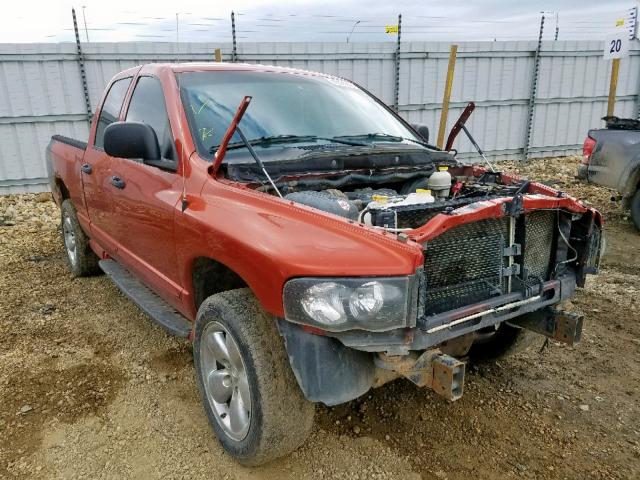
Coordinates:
354 27
84 18
177 30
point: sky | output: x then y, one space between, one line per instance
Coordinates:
307 20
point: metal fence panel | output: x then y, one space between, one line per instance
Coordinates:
41 90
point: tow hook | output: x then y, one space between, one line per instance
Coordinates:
559 325
432 369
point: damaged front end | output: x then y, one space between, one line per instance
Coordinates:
509 254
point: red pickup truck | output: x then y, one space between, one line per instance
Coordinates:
309 242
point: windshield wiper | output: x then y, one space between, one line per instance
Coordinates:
277 139
386 137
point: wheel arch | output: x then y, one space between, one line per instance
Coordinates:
209 276
60 191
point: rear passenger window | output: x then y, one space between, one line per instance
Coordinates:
147 106
111 108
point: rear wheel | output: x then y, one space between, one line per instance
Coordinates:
635 209
81 259
249 392
506 339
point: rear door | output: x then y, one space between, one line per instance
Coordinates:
147 199
95 168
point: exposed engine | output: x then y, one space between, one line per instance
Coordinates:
412 204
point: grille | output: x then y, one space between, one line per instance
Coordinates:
540 227
464 265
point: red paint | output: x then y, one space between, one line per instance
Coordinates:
587 150
264 239
314 330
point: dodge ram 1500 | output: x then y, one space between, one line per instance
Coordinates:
309 242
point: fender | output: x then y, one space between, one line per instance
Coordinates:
266 241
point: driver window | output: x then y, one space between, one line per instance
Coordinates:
111 109
147 105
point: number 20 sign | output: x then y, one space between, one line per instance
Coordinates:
616 45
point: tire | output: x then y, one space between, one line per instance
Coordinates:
82 261
635 209
278 417
504 341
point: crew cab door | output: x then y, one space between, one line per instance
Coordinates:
146 198
95 168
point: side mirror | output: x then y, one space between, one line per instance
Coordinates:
423 130
131 140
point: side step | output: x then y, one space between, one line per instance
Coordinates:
148 301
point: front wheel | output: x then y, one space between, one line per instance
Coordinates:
249 392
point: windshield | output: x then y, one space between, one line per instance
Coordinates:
284 105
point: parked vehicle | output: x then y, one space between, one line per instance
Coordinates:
611 158
309 241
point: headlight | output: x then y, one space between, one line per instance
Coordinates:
338 304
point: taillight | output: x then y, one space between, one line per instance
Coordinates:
587 150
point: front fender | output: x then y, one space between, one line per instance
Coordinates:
268 240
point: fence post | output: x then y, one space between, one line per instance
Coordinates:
83 73
613 86
532 95
446 97
396 87
234 53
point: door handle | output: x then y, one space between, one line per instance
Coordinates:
117 182
86 168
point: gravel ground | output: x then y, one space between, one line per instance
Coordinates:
90 388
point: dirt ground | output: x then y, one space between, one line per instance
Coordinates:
90 388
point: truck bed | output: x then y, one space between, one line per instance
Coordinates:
70 141
63 157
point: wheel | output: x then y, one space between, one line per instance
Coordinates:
81 259
249 392
494 343
635 209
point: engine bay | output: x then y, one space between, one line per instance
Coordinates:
409 205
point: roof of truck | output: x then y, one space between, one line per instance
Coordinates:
223 66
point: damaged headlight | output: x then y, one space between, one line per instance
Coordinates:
338 304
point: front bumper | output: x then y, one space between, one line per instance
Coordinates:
436 329
334 368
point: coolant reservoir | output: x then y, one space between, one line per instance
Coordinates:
440 182
420 196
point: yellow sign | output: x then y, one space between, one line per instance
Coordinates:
391 29
620 23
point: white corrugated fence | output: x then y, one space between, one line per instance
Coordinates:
41 90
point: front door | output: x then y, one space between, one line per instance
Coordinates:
147 198
96 169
